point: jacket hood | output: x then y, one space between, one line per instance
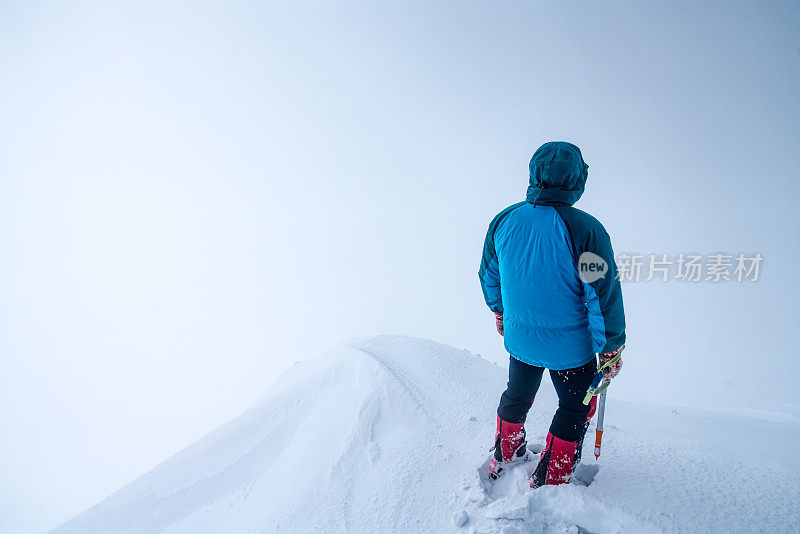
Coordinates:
557 174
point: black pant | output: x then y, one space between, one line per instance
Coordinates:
569 422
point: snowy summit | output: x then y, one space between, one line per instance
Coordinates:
386 435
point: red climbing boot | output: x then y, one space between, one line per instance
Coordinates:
556 462
510 447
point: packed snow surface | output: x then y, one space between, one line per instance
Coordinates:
386 435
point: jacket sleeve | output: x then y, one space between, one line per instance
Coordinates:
604 300
489 273
603 294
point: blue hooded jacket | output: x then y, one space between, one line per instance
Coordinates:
549 268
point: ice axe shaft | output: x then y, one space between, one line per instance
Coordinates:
598 388
601 412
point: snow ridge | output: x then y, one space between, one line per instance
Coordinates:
385 434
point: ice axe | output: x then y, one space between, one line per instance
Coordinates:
599 386
598 433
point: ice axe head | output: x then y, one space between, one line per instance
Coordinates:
597 387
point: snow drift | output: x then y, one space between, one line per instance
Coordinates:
385 435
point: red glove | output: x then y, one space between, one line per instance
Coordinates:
612 370
498 321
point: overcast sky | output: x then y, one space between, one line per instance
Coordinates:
194 196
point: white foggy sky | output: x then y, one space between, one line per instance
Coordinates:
193 196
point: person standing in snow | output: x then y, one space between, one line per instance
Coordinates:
549 276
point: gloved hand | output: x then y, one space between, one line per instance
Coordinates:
612 370
498 321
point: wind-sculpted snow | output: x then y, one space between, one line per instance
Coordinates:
385 435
